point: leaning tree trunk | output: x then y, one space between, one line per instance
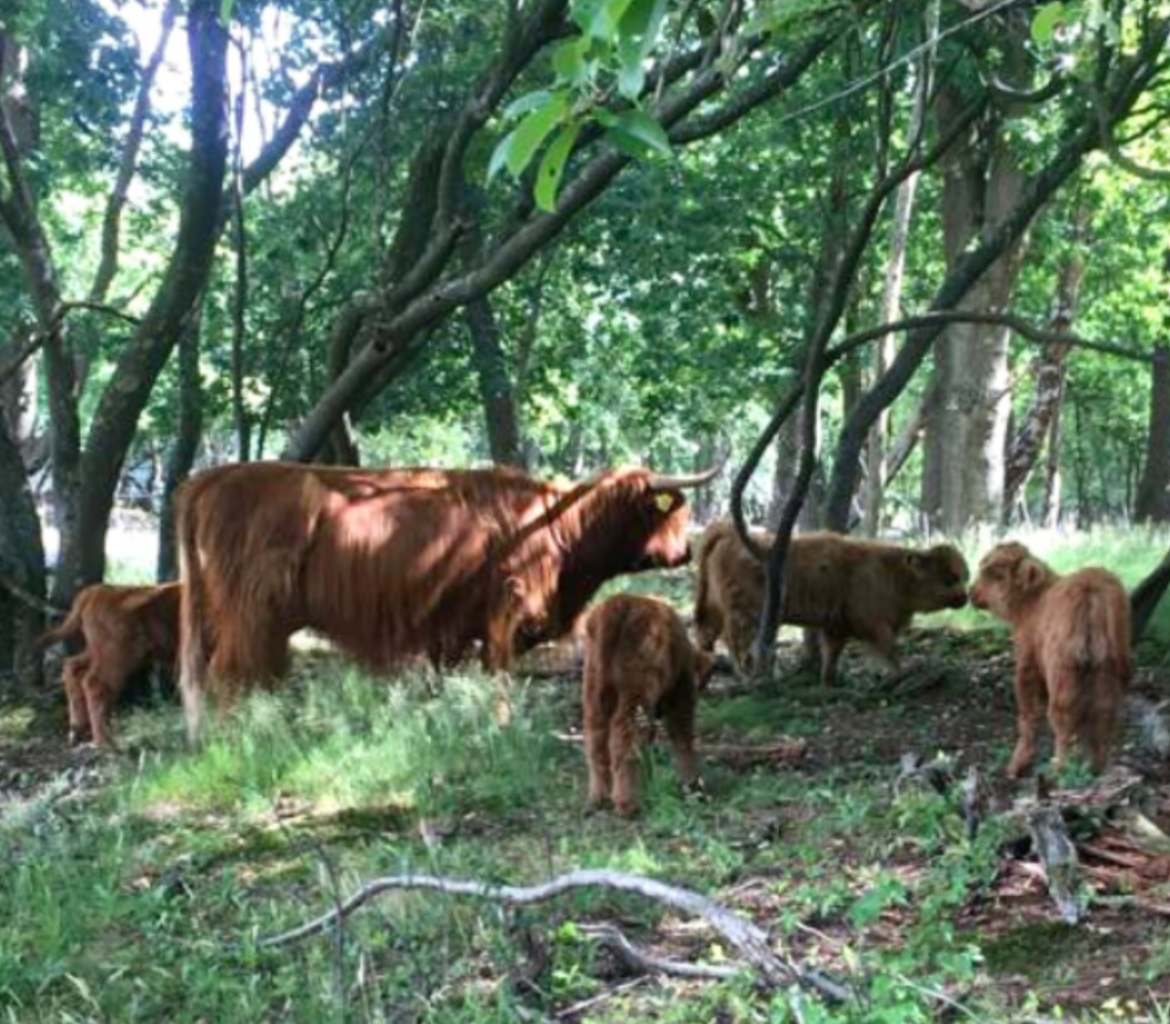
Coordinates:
186 446
1153 496
1050 515
1037 422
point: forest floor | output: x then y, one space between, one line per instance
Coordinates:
136 884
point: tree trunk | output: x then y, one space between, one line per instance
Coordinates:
1052 478
116 418
186 444
963 479
1049 372
495 385
877 468
22 562
1152 504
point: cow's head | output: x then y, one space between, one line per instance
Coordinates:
1010 576
663 540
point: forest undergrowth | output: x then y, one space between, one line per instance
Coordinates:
137 885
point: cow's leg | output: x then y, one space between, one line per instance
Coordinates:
597 721
73 670
679 714
740 633
623 753
1062 714
1030 699
832 644
243 662
99 699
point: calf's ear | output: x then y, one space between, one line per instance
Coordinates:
1030 573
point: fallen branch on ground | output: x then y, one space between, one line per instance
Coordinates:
747 939
638 959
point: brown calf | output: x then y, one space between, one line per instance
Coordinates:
637 655
1072 645
846 589
125 629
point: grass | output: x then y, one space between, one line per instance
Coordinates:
135 887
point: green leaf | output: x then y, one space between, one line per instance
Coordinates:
643 21
533 130
499 155
225 11
1046 21
632 75
569 61
641 126
552 167
583 11
607 18
529 101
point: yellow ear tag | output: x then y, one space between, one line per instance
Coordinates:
664 502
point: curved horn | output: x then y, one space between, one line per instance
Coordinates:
659 482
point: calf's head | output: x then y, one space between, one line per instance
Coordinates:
938 578
1009 577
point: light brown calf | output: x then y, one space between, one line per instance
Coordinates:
846 589
1072 645
637 655
125 629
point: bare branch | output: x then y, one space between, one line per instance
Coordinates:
27 597
614 939
748 939
112 221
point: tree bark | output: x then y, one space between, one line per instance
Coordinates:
495 385
963 476
186 444
1153 496
1036 424
1050 515
141 361
877 466
22 560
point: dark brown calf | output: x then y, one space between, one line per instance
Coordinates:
637 655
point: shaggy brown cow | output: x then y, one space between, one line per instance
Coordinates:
843 588
637 655
1072 646
125 630
391 564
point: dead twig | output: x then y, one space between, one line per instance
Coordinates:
638 959
748 939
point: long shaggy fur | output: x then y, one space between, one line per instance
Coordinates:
842 587
1072 645
637 656
392 564
125 629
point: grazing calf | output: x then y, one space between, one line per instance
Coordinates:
637 655
1072 646
125 629
846 589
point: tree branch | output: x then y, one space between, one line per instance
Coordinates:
112 221
748 939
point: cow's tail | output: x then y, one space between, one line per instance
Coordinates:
68 629
194 642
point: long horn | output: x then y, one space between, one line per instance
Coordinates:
659 482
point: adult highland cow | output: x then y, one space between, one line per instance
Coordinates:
391 564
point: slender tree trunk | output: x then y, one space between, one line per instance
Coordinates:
877 468
183 451
1153 496
1049 374
1052 478
495 385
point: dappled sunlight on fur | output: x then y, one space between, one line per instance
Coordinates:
396 564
